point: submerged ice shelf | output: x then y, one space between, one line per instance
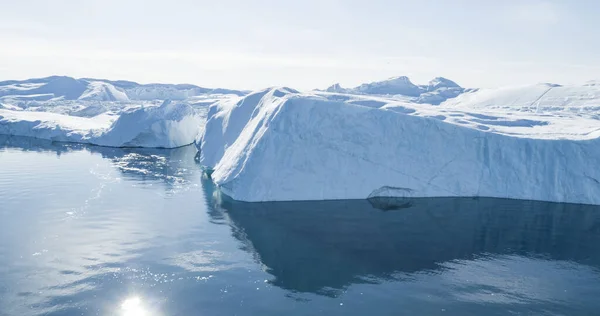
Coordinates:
279 144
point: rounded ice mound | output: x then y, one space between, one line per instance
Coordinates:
167 126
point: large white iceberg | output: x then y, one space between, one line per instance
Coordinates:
280 145
167 126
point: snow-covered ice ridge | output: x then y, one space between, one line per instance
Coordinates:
537 142
58 88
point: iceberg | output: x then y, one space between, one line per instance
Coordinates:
103 112
438 90
169 125
68 88
282 145
102 91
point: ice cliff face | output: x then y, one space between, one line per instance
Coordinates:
282 145
167 126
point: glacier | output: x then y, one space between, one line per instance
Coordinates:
538 142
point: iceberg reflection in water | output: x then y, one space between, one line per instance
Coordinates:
515 255
88 230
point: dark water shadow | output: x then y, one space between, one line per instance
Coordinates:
325 246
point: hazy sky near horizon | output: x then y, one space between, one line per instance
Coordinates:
303 44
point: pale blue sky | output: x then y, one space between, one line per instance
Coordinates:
302 44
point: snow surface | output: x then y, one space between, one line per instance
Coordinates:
167 126
538 142
540 98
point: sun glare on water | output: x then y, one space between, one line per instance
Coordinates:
133 307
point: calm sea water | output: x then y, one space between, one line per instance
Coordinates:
100 231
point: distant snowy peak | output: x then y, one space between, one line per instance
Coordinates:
54 87
393 86
161 92
440 82
336 88
592 83
68 88
229 91
435 92
102 91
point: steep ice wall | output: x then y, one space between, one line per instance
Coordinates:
290 146
167 126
